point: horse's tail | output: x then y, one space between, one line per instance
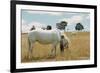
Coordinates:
28 41
29 45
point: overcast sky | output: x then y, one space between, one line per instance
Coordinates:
43 18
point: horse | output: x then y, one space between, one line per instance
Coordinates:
53 37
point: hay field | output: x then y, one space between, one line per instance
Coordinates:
79 49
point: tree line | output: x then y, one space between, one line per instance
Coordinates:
63 24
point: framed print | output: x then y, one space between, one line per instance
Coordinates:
52 36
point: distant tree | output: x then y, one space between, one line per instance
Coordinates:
61 25
58 26
79 27
44 28
49 27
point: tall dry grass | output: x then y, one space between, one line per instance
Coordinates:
79 49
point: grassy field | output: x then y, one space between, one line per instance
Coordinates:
79 49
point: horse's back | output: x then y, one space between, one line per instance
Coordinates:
45 36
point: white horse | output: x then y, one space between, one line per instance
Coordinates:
53 37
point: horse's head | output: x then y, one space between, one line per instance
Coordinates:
64 43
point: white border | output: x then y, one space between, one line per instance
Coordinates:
20 65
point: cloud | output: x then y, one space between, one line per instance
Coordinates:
27 26
74 19
45 12
24 26
36 24
88 17
23 21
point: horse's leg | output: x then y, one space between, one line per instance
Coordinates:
55 49
68 50
67 45
52 50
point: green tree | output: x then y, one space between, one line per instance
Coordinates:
79 27
62 25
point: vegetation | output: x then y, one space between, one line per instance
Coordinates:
79 49
79 27
61 25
